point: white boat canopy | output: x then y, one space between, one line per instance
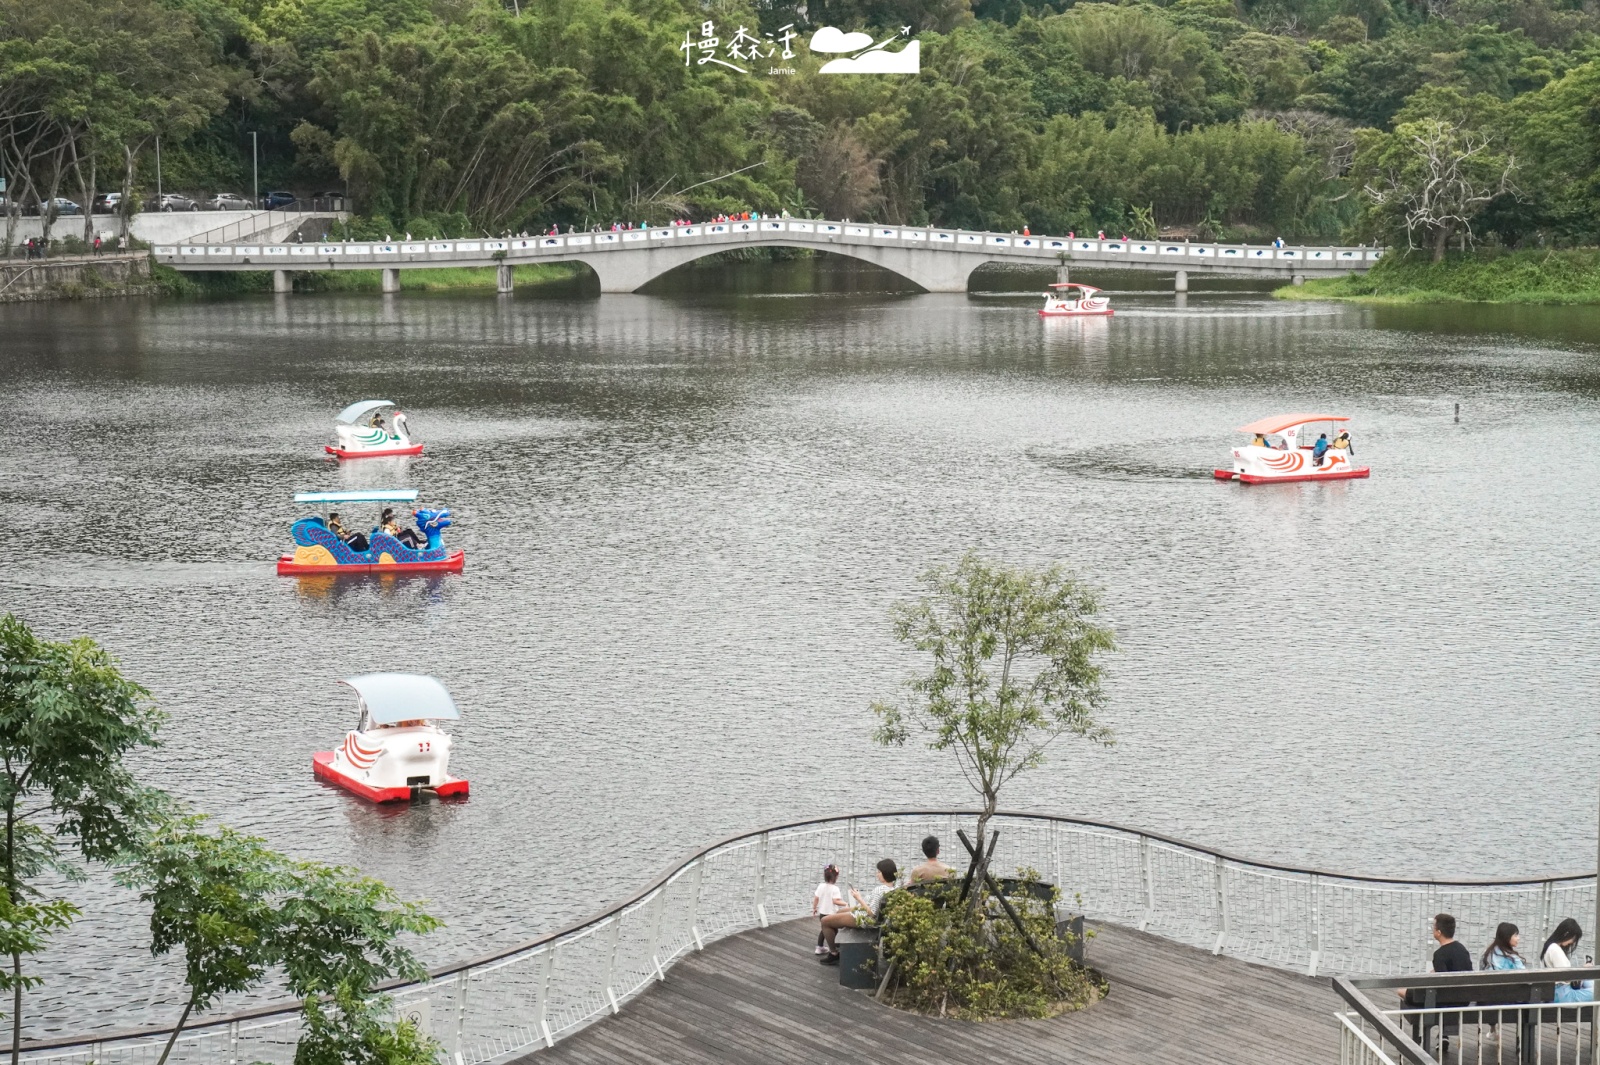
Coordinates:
389 698
375 495
349 415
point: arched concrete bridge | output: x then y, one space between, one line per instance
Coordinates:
939 260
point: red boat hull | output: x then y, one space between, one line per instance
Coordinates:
1107 313
1253 478
388 452
452 563
322 765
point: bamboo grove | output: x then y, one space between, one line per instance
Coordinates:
1431 123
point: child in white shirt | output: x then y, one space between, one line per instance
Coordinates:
827 899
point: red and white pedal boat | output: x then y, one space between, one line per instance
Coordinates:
1288 451
362 434
1064 302
396 752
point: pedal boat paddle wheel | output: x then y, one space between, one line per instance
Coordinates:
319 551
397 751
1290 454
359 439
1068 299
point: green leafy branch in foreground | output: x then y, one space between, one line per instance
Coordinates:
237 910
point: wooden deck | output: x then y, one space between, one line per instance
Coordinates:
763 997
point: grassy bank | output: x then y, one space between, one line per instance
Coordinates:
440 280
1548 277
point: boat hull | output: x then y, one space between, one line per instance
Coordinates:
451 563
1105 313
1256 478
322 765
375 453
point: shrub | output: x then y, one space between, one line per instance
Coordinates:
951 960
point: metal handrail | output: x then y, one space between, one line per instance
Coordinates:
1221 864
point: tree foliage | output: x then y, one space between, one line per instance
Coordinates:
953 961
1014 666
68 719
484 116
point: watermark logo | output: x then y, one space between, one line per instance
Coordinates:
870 58
745 47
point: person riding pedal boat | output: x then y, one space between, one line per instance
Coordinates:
354 541
406 536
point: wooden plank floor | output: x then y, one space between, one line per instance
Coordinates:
763 997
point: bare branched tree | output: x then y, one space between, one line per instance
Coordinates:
1435 176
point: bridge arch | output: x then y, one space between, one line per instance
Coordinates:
631 269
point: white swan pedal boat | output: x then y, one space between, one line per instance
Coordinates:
397 751
1068 299
363 435
1288 451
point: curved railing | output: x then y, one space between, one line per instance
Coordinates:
538 992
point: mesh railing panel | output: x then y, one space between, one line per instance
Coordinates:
1298 920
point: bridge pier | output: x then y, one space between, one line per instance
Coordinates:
1298 279
503 278
281 282
391 280
1180 283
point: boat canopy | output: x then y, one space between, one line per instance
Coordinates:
1279 422
393 697
376 495
349 415
1088 290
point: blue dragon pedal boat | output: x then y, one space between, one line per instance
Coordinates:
318 550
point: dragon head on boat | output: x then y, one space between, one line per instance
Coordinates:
431 523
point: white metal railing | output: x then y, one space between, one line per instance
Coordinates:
249 226
1169 254
535 993
1534 1033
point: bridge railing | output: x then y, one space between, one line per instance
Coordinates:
1180 254
535 993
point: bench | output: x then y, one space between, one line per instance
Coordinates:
1524 990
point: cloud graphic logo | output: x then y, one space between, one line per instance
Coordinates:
906 61
831 39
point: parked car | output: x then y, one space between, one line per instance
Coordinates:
228 201
277 201
107 203
172 201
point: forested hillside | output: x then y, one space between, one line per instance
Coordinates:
1310 119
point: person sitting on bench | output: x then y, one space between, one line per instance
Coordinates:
1451 957
933 868
1557 954
1502 953
863 913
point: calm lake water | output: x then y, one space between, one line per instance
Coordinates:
686 516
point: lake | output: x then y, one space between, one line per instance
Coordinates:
687 513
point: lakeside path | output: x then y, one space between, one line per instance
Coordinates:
762 997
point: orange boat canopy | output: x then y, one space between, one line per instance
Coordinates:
1279 422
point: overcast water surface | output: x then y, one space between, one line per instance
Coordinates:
686 516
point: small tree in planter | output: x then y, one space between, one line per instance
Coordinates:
1014 667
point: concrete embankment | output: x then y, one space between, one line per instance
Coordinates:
77 278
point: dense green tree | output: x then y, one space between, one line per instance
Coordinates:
68 720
